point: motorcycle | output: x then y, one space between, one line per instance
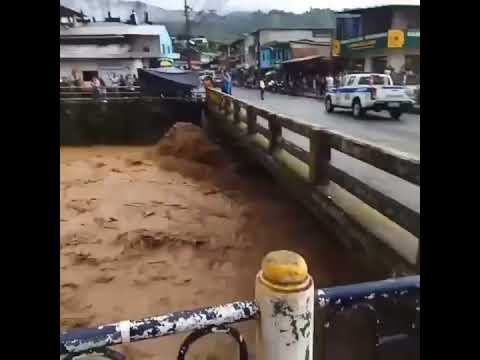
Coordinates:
275 86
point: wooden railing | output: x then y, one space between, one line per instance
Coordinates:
318 171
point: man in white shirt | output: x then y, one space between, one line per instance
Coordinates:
262 88
329 81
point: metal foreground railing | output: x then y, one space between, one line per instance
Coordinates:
284 311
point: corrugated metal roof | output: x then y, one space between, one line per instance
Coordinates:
66 11
93 29
293 28
311 42
357 10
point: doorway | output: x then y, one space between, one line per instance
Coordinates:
379 64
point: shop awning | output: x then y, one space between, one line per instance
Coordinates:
306 58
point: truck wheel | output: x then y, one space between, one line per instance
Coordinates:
357 109
395 114
328 105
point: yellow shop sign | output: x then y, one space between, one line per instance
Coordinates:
396 39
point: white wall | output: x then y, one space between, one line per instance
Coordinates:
133 47
395 57
368 66
249 59
139 42
267 36
103 66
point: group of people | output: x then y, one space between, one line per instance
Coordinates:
319 83
129 81
98 85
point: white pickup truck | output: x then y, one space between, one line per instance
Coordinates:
362 92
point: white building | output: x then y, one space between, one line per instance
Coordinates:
97 49
251 44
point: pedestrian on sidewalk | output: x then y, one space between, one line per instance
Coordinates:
262 88
330 82
323 86
227 83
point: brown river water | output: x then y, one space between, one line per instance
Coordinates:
150 230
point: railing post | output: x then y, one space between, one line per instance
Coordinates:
320 155
276 133
251 120
236 112
285 297
225 104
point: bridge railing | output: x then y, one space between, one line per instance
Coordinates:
111 92
266 131
379 300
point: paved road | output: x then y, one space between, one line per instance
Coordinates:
402 135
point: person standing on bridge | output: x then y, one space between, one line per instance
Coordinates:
95 83
262 88
114 80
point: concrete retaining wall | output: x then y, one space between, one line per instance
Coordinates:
139 121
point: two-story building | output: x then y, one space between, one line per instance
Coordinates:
100 48
276 45
379 38
267 48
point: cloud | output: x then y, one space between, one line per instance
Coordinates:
297 6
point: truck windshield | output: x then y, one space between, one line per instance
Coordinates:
376 80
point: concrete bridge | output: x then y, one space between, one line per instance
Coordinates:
362 217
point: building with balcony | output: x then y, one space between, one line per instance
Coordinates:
267 48
101 48
379 38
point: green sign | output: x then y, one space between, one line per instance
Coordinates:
410 40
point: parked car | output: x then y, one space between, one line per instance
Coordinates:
367 91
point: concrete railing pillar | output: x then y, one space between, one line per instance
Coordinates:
285 296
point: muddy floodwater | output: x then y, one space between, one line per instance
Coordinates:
175 226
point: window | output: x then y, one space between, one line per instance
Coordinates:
319 33
351 80
163 48
376 80
88 75
146 49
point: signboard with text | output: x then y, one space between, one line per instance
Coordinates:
393 39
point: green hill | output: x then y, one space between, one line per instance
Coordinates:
229 27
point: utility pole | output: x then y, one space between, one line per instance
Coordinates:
187 10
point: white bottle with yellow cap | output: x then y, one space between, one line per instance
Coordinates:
284 293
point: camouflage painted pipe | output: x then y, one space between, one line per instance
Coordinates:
344 296
79 341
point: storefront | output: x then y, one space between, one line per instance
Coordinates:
396 50
304 74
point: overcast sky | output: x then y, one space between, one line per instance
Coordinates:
297 6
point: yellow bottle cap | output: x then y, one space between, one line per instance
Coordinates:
284 270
